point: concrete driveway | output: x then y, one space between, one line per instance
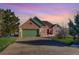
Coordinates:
31 49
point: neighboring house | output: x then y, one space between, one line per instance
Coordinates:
35 27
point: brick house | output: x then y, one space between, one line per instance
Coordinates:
35 27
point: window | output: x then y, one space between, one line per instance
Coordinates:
49 31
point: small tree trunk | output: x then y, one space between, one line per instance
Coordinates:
74 38
77 38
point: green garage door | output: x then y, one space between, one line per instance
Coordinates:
30 33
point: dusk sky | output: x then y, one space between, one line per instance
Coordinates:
52 12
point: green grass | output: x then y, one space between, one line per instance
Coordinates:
4 42
66 40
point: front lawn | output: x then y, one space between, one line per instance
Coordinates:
4 42
66 40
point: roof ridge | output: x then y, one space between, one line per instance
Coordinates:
38 21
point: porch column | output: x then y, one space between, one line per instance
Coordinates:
20 31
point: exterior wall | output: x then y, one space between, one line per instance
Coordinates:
43 31
56 30
29 25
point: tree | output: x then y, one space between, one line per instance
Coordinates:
1 19
76 20
9 22
72 29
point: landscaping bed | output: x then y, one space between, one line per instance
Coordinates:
66 40
5 41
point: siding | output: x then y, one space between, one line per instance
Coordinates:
29 25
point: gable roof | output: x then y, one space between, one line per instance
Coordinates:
37 21
48 24
40 23
55 25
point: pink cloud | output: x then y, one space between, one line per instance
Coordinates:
55 18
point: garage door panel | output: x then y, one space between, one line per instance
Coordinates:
30 32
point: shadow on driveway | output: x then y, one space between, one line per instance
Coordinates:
42 42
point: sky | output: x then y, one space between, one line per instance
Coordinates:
59 13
